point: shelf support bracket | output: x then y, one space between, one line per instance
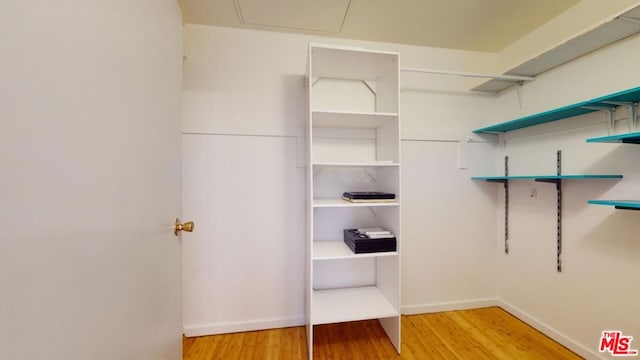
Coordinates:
505 182
611 110
559 218
558 183
630 19
631 106
626 208
370 85
506 206
371 177
633 110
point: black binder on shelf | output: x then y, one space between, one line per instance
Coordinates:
360 243
368 196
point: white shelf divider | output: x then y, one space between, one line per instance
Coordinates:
350 304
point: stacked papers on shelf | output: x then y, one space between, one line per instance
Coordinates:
369 240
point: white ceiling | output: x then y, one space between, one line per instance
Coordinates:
480 25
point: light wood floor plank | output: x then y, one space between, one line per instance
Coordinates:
489 333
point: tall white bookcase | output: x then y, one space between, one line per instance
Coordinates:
353 144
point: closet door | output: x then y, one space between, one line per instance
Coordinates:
90 182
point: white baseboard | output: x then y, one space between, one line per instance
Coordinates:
240 326
549 331
448 306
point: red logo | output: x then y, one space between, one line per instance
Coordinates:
617 344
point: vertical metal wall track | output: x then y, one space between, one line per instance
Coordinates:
506 206
559 211
505 182
558 183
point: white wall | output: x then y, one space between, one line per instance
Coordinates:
244 94
596 290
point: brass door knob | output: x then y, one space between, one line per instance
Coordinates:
188 226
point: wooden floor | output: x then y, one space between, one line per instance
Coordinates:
489 333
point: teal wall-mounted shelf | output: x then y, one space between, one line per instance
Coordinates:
584 107
556 179
628 138
618 204
546 177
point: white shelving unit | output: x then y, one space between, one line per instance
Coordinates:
353 133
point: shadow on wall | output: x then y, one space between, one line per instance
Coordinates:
576 194
613 233
621 159
294 101
490 191
616 235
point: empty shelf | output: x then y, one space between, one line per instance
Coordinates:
618 204
580 108
350 120
628 138
546 177
358 164
350 304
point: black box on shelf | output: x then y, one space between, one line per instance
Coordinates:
362 244
368 196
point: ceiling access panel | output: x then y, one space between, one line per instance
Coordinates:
308 15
